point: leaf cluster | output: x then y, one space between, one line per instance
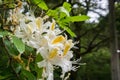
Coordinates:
62 15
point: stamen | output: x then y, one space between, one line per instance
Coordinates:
74 68
67 76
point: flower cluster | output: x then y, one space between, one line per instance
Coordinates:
45 37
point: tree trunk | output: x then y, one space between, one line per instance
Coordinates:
113 43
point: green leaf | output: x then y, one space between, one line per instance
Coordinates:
38 58
28 75
77 18
62 9
63 24
38 70
4 33
18 68
11 48
67 29
29 50
41 4
67 6
52 13
62 15
70 32
58 13
19 44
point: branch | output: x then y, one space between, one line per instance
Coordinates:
89 49
96 12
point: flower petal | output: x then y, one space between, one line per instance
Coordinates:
58 39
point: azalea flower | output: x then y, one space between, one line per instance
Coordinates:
57 53
45 37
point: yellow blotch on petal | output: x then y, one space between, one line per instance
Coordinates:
53 53
29 28
38 22
58 39
67 48
68 45
52 27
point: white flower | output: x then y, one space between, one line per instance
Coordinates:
45 37
57 52
24 31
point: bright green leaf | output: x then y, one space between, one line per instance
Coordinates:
62 9
67 6
52 13
77 18
63 24
58 13
62 15
41 4
70 32
67 29
19 44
